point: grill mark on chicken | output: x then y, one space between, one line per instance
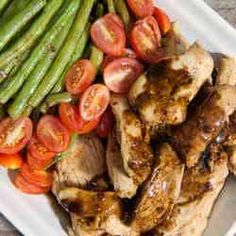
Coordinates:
193 136
160 192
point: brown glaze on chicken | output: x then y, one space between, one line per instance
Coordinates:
84 164
94 213
193 136
163 94
199 190
123 184
136 154
160 192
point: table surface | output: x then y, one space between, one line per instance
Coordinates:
226 8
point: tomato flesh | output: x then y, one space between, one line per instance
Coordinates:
38 150
108 34
106 124
94 102
163 20
26 187
14 134
120 74
141 8
69 117
53 134
79 77
38 177
88 126
11 161
145 39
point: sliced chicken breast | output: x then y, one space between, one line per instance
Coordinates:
160 192
123 184
137 156
192 137
162 95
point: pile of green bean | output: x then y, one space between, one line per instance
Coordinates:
39 41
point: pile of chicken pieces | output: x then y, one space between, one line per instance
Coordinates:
167 160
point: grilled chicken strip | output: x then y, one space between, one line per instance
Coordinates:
94 213
192 137
160 192
200 187
136 154
162 95
84 161
123 184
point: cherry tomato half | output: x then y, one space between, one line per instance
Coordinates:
94 102
69 117
11 161
145 39
141 8
40 178
53 134
79 77
38 150
108 34
120 74
14 134
163 20
106 124
88 126
25 186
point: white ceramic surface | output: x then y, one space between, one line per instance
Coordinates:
33 216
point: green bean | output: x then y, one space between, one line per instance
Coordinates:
13 84
13 26
123 11
99 10
96 58
76 55
3 4
42 67
29 38
54 100
111 6
64 56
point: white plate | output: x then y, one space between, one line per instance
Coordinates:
33 216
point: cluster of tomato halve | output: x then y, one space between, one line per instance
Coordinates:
120 68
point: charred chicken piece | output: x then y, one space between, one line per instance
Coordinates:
123 184
84 160
162 95
160 192
200 187
137 156
192 137
94 213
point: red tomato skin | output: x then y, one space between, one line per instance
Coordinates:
163 20
69 117
26 187
122 85
141 8
106 124
11 161
38 150
100 97
45 131
144 30
115 39
9 123
80 76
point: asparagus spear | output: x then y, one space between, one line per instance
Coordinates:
3 4
13 84
32 82
54 100
28 39
64 56
99 10
76 55
96 58
111 6
13 26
